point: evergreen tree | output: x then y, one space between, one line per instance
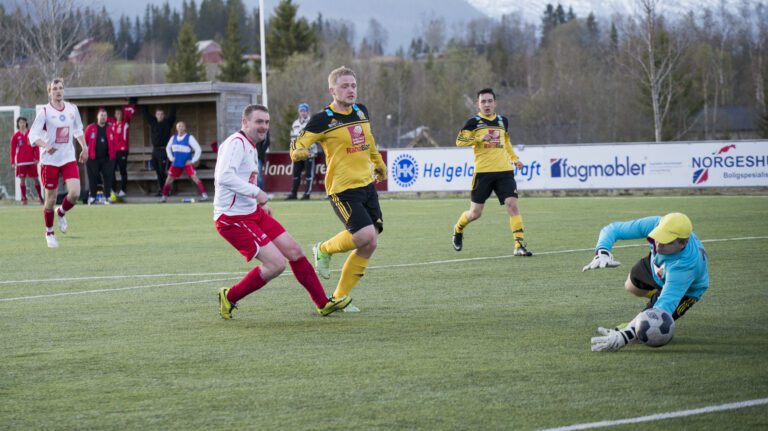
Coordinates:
137 38
548 23
185 65
236 11
559 15
189 13
614 37
213 19
593 31
104 29
287 35
234 68
252 39
124 40
570 16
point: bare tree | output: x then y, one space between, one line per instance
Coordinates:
654 54
376 36
754 33
434 33
50 36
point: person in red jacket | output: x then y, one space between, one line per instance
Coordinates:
121 131
24 158
100 139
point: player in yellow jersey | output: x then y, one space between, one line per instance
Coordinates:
488 133
344 131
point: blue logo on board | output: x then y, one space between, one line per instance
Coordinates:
405 170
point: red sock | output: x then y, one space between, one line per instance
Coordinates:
249 284
48 215
23 190
66 205
200 187
39 192
166 189
306 275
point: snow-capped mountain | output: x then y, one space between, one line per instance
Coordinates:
532 10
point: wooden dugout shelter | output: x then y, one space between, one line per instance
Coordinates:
211 110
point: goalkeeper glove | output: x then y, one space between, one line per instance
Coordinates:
380 172
613 339
603 258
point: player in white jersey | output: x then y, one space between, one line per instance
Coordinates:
243 218
53 129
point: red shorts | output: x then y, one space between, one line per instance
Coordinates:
26 171
50 174
248 233
175 172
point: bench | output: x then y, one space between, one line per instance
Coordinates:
141 177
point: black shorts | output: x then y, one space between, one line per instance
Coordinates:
358 208
502 183
642 277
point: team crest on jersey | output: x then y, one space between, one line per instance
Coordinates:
62 135
495 137
357 133
62 117
333 124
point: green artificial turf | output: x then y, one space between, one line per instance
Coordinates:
128 336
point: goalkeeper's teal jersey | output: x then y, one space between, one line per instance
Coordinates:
680 274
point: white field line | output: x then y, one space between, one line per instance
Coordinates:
117 277
661 416
117 289
397 265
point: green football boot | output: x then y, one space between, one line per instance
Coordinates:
225 307
322 262
334 304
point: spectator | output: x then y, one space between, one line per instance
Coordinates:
262 147
24 158
160 128
101 156
120 129
183 151
307 166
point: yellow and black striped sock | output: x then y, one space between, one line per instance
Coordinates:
351 273
340 243
462 223
516 225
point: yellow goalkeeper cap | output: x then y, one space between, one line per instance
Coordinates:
671 227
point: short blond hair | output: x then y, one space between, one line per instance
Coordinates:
53 82
336 73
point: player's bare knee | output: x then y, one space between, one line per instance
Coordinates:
366 239
293 252
474 215
272 268
634 290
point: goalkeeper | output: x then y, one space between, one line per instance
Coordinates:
673 276
344 130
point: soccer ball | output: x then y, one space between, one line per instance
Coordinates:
654 327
